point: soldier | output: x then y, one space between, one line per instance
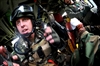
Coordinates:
88 46
25 24
83 10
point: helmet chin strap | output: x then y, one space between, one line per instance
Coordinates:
28 34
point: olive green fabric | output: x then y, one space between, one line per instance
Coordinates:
88 47
91 46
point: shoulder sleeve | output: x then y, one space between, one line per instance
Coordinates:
91 43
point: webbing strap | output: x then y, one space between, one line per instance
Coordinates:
44 47
40 52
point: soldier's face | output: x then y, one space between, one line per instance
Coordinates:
24 25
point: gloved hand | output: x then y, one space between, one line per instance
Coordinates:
16 60
51 36
75 23
8 63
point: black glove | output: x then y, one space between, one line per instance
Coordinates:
51 35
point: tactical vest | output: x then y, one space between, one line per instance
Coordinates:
42 50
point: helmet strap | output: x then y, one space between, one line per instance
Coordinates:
28 34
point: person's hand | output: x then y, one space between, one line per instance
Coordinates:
3 51
15 57
5 63
15 64
51 36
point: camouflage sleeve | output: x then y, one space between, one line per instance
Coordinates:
91 43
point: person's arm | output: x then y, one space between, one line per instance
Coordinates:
74 12
4 56
89 40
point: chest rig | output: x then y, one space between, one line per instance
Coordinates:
41 51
